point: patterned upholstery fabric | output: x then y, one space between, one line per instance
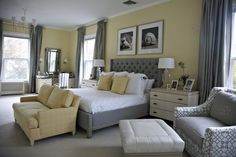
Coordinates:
218 141
148 66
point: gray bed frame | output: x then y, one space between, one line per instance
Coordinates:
148 66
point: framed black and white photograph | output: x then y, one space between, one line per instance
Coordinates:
174 84
150 38
127 41
189 85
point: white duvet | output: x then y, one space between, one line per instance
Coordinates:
94 101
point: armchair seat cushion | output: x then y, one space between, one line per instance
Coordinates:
28 112
195 127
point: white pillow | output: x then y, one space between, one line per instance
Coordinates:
107 73
149 85
137 84
122 73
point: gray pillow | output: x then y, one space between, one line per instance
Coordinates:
224 108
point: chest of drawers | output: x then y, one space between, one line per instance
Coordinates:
163 102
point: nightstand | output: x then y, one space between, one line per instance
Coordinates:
163 102
89 83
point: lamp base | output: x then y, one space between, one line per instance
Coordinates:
165 78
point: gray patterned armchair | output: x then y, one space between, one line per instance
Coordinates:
209 130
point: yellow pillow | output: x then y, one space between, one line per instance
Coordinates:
105 82
44 93
119 84
60 98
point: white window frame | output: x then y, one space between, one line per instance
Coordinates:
21 36
87 37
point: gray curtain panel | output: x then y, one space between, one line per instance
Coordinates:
99 47
1 48
79 56
215 43
35 49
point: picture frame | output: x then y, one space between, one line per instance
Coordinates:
126 44
150 38
189 85
174 84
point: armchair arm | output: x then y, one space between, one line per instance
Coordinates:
220 141
200 110
28 98
57 121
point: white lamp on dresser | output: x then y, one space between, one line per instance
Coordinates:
98 63
166 63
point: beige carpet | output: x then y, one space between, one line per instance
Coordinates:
13 142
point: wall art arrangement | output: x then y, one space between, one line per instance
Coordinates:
127 41
150 39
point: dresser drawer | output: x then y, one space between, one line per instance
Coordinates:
170 97
88 83
165 105
162 114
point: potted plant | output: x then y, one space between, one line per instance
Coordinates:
184 76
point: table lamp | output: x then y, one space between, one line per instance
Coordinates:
166 63
98 63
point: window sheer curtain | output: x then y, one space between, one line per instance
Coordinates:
1 48
79 56
215 45
99 47
35 50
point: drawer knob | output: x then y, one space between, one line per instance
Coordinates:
154 112
180 99
155 95
154 103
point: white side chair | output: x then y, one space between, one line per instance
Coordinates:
63 80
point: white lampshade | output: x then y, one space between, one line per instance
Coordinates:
98 63
166 63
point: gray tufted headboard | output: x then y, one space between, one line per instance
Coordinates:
148 66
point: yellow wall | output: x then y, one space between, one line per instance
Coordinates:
181 35
181 32
55 38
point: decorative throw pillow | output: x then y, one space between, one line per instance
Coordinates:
44 93
60 98
107 73
119 84
122 73
223 108
149 85
105 82
137 84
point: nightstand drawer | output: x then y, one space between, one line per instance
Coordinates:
162 114
89 83
165 105
170 97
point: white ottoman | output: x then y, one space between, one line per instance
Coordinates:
150 137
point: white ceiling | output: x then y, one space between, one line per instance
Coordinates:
68 14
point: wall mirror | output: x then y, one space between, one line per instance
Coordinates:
52 60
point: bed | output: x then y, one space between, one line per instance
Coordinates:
91 119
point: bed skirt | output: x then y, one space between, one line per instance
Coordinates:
91 122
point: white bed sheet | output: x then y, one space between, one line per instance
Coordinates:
94 101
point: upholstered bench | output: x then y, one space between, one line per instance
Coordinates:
150 137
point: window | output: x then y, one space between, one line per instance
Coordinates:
89 43
15 59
